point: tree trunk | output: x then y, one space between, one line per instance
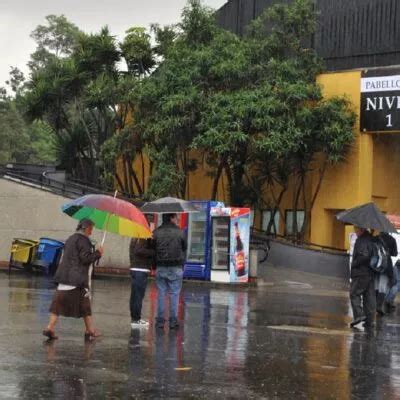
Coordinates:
277 202
228 173
217 177
295 208
134 176
131 190
143 171
308 210
119 182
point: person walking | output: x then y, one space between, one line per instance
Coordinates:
395 288
141 256
170 246
362 289
385 281
71 298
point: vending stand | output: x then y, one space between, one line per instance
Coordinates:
230 238
218 242
198 230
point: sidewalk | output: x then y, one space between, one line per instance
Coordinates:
288 279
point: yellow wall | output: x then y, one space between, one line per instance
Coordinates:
350 182
370 172
386 172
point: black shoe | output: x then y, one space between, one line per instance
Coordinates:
390 306
380 312
173 324
357 321
160 323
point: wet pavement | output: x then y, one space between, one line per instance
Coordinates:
286 340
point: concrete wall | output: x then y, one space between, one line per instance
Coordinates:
27 212
317 262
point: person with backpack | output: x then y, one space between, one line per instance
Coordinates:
362 289
386 278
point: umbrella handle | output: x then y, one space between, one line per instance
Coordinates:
108 218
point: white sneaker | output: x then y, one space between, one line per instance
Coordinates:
139 324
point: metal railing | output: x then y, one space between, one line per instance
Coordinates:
67 188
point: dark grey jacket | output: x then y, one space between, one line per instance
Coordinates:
363 251
170 244
74 267
141 253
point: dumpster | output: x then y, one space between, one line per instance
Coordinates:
22 251
48 254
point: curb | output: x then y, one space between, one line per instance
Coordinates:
115 273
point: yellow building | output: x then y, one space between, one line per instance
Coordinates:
370 172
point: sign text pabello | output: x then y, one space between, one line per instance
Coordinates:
380 100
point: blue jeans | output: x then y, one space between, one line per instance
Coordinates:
168 279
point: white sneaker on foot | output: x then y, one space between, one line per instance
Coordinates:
139 324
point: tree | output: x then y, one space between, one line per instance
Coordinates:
251 105
137 51
56 39
14 138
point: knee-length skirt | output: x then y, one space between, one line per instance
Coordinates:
71 303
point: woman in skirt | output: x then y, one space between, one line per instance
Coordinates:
71 298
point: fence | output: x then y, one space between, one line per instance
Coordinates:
350 33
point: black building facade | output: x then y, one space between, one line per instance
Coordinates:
350 33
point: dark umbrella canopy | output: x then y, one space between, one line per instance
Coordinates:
367 216
168 205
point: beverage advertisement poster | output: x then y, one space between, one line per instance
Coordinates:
239 242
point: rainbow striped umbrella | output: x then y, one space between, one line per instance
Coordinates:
110 215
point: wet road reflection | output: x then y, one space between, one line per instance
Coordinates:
237 344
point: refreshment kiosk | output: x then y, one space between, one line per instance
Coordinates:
230 238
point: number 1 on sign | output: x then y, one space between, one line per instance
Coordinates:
389 121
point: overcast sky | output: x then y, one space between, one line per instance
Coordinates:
18 18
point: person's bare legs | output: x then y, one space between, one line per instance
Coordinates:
90 331
52 322
49 331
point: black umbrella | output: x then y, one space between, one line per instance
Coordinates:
168 205
367 216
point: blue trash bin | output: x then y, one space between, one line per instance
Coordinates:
48 254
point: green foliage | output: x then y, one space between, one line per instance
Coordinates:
54 40
165 180
164 37
14 138
249 104
137 51
43 144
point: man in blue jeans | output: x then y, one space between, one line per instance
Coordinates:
170 246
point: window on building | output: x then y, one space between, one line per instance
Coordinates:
266 219
289 219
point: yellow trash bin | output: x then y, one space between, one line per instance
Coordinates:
22 251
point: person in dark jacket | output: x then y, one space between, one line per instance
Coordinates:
170 244
71 298
362 289
141 256
387 280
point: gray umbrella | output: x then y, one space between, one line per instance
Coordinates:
367 216
168 205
